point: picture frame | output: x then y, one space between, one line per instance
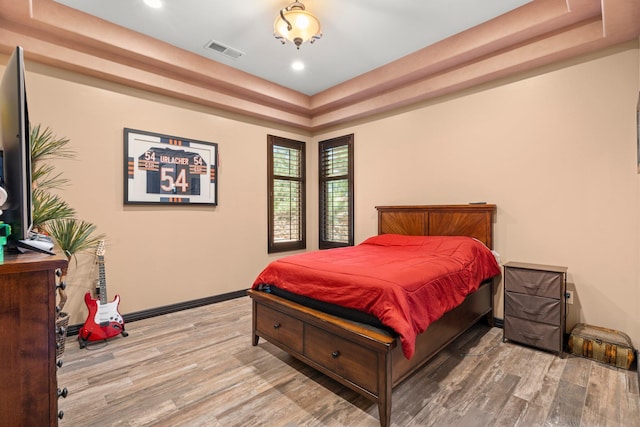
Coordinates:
169 170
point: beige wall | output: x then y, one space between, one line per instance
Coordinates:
155 255
556 151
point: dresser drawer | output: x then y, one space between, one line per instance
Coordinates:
538 309
280 327
534 282
343 357
536 334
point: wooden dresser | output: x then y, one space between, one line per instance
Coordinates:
534 304
28 385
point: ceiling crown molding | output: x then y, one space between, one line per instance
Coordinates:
537 34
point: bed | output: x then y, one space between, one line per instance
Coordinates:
367 357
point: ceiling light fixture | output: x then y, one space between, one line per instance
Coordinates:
296 25
156 4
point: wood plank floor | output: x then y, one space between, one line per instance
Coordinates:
198 368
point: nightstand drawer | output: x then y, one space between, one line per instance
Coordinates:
534 282
546 310
536 334
343 357
279 326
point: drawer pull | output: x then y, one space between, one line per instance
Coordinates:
335 354
532 337
276 325
63 393
531 312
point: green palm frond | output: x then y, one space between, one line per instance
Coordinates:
47 207
40 171
73 235
51 214
44 178
46 145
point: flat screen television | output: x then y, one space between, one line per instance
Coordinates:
16 156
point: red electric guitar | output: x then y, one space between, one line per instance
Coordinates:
104 321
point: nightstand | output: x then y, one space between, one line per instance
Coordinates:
534 305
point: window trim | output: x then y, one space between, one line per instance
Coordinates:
274 246
347 140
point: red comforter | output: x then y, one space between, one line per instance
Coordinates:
405 281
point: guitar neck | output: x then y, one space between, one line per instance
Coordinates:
102 280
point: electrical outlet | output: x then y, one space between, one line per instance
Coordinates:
569 297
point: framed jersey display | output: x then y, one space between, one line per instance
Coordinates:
169 170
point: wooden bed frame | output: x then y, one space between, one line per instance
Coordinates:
364 358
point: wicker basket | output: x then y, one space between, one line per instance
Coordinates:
61 322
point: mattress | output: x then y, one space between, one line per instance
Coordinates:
406 282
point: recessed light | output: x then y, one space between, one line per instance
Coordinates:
156 4
298 65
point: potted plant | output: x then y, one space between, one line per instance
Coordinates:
51 214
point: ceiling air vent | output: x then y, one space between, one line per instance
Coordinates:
224 50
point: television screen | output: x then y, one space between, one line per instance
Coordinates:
16 168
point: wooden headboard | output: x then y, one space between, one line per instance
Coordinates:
475 220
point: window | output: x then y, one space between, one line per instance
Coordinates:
336 192
286 193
